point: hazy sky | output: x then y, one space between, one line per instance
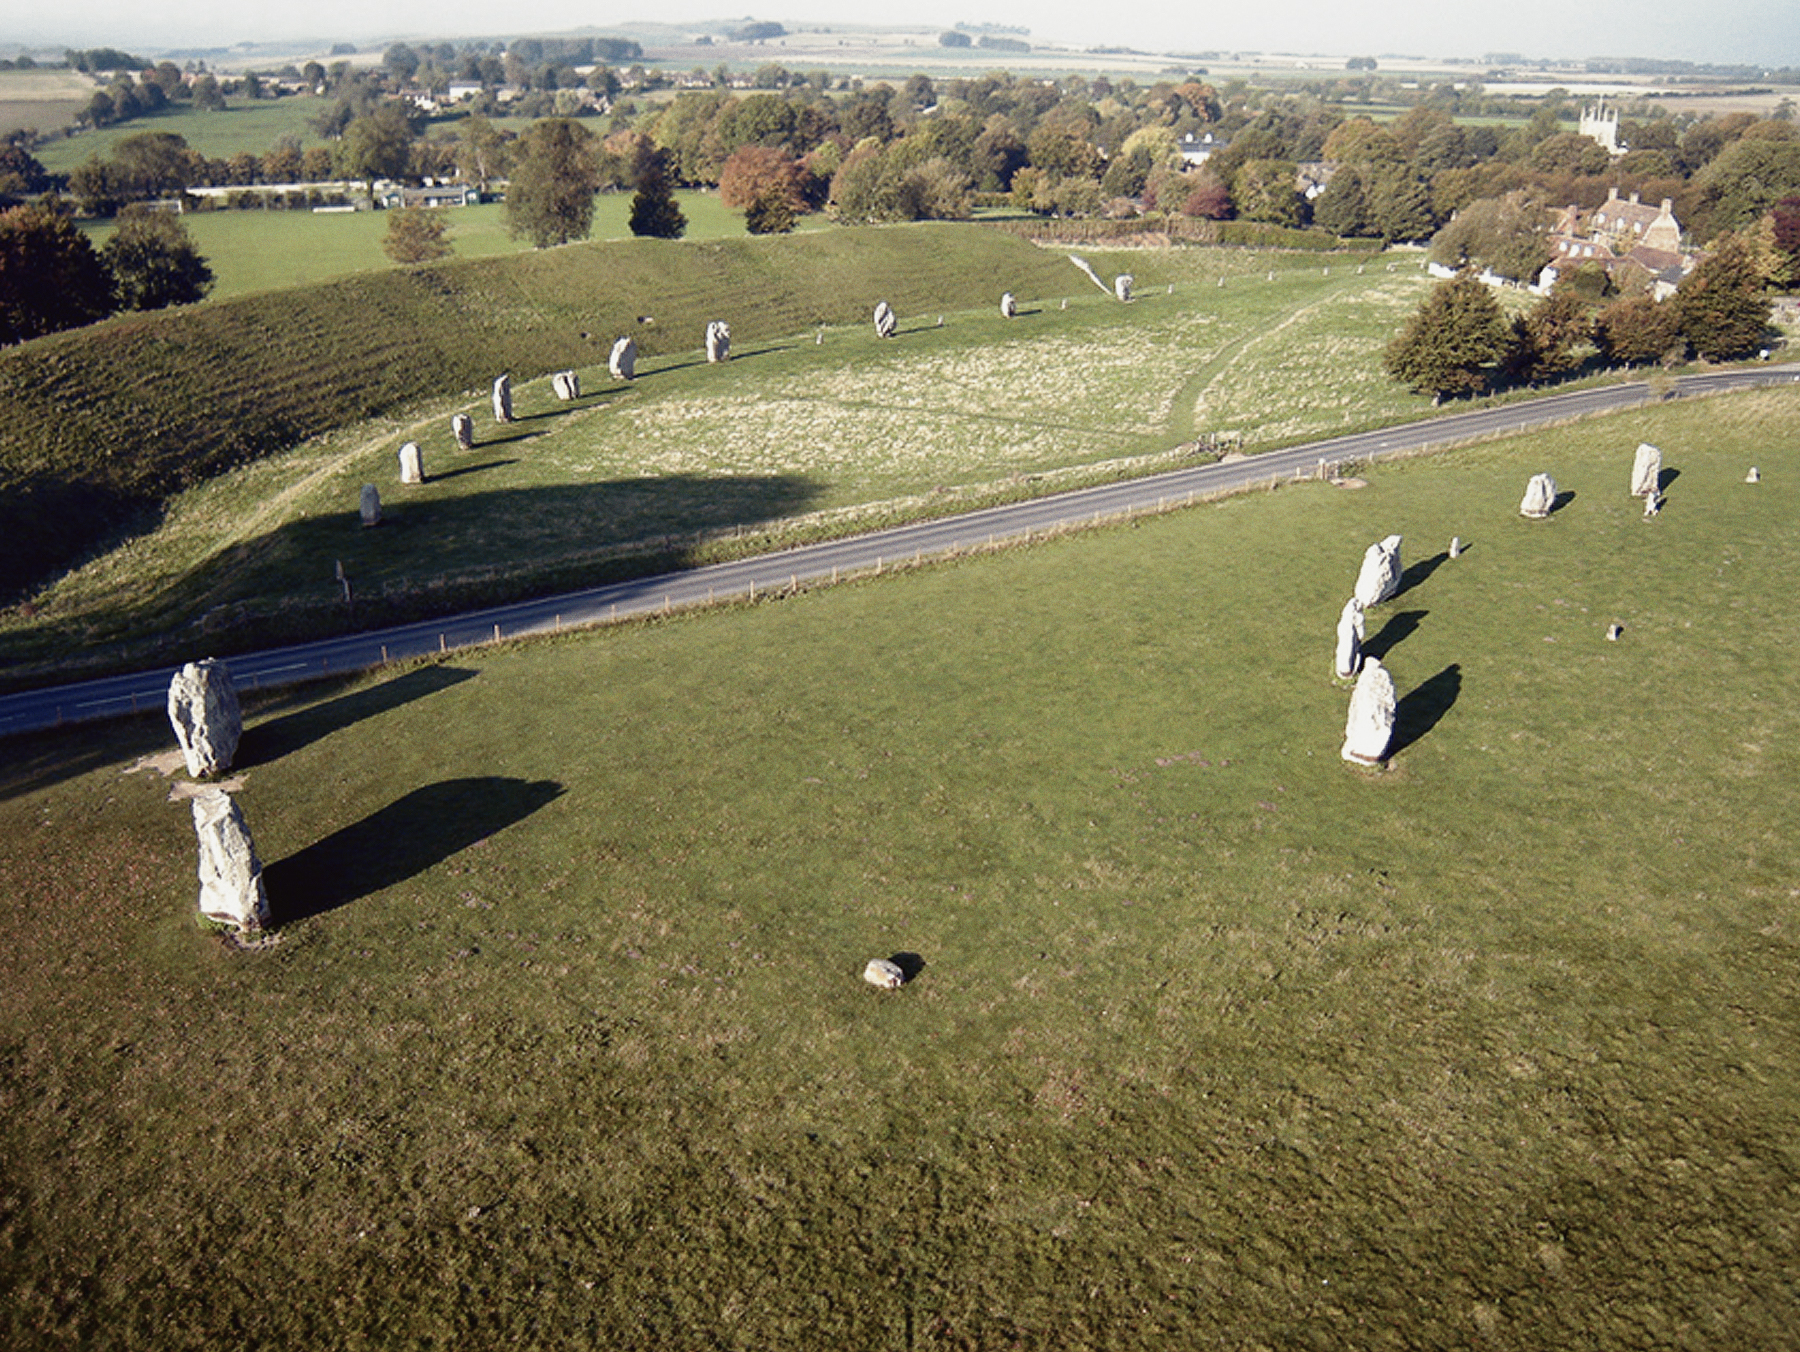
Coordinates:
1764 32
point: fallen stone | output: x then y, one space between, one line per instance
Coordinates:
503 400
231 885
1540 497
1754 476
1009 308
462 427
203 710
1122 285
1092 276
566 384
718 341
1350 639
1646 470
1380 575
371 505
1370 727
886 325
623 361
887 975
412 464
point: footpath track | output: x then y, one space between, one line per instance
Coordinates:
858 555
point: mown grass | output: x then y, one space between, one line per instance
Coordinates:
239 127
836 434
1217 1042
251 251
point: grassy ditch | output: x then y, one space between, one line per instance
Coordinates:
801 436
1214 1040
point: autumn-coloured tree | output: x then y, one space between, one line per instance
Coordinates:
416 235
757 172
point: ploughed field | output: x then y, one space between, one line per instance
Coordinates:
1215 1041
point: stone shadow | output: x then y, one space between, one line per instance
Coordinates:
1561 500
1421 708
400 841
1665 478
910 965
1399 627
276 737
1419 572
468 469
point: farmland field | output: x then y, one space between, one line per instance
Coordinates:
44 100
240 126
1212 1042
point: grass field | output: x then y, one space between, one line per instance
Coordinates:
218 135
44 100
797 437
251 251
1214 1042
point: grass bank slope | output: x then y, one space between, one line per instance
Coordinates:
1217 1042
104 423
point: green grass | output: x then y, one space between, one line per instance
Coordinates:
1218 1042
795 439
252 251
218 135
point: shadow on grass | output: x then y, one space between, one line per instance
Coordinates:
271 740
36 760
468 469
1419 572
1421 708
910 965
1664 479
1397 630
1562 500
399 842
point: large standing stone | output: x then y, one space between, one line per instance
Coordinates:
566 384
462 427
1350 639
231 885
1380 575
718 341
623 361
886 325
1540 497
1646 470
1122 285
203 710
412 464
1009 307
1371 723
503 400
371 505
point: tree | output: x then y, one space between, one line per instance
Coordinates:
654 211
756 172
550 199
1506 234
1544 342
1636 330
50 276
770 214
154 262
20 174
1785 239
1721 307
1451 345
416 235
379 144
208 96
154 164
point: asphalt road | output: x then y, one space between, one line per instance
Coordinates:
748 578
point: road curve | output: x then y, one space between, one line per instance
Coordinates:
113 695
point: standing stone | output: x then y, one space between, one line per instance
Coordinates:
462 427
1122 285
1540 497
718 341
503 400
886 325
1380 575
1371 724
566 384
203 710
885 974
412 464
1456 546
1009 308
1754 476
1646 470
623 361
1652 505
231 885
371 505
1350 639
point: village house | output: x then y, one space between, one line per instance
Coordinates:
1637 244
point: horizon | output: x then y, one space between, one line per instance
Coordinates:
1759 33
